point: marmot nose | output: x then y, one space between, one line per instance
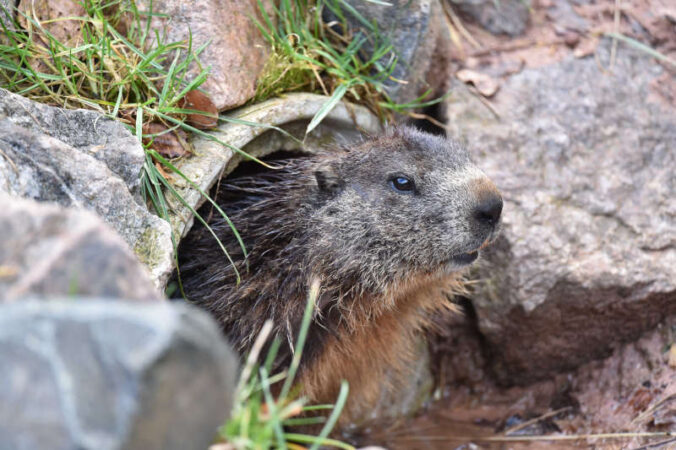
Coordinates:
488 211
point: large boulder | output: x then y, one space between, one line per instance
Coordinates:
586 163
110 375
237 51
50 250
80 158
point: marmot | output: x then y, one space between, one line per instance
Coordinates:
386 227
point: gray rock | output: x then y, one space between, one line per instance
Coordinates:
101 375
87 131
565 17
6 14
586 162
236 51
37 166
413 27
508 17
50 250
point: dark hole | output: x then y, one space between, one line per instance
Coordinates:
434 111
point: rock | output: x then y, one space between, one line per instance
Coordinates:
50 250
88 132
6 14
587 257
236 52
79 158
634 390
565 18
413 28
508 17
102 375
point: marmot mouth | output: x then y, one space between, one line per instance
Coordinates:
465 258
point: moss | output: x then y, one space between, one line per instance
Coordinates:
147 248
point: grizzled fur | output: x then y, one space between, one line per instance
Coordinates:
385 259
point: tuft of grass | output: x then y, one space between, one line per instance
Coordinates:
328 58
259 419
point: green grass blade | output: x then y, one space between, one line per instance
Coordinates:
327 107
333 418
302 336
642 47
174 169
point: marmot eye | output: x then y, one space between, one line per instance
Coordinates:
401 184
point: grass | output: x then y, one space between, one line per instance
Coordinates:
334 59
259 419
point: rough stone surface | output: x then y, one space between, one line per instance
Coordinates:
504 17
586 164
78 158
236 52
102 375
565 18
50 250
86 131
6 13
413 28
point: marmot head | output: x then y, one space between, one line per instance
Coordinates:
404 203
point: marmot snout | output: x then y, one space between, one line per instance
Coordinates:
386 227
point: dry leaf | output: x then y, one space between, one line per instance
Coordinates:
199 101
485 84
641 399
163 172
170 144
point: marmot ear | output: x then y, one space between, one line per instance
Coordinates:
328 179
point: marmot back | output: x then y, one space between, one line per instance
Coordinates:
386 228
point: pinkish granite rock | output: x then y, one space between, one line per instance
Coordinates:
236 52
